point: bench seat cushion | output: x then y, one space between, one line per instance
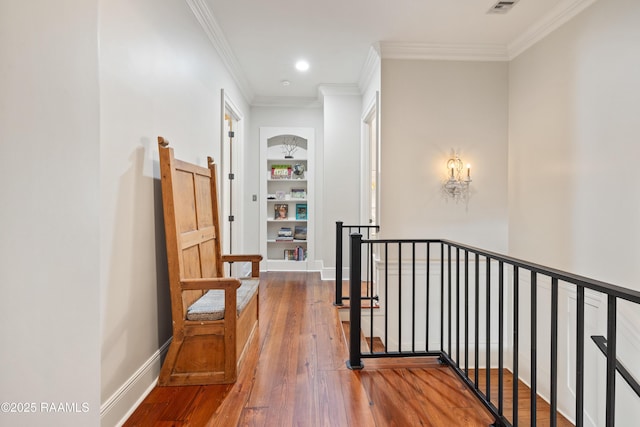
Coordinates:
210 306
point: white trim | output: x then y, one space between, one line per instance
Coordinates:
558 16
448 52
338 90
206 19
233 107
227 104
118 408
286 102
370 68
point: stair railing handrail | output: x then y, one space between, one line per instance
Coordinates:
613 293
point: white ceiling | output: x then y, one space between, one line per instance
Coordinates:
264 38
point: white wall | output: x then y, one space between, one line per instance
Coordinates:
159 75
573 144
49 220
342 177
429 108
573 111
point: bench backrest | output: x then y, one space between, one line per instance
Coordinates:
192 225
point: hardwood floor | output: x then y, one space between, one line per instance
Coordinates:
295 375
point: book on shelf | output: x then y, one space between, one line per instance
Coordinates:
284 234
301 211
281 172
280 211
297 254
300 232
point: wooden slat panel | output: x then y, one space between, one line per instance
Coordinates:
208 259
191 270
191 262
192 238
246 323
192 168
203 201
185 204
201 353
204 327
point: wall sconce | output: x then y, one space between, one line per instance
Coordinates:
457 184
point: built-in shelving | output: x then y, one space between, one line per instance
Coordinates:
287 215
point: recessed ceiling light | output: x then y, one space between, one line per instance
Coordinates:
302 65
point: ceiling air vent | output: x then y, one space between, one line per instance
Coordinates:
502 6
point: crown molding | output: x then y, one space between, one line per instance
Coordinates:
370 68
449 52
338 90
286 101
557 17
216 36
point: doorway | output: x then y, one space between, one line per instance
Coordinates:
230 180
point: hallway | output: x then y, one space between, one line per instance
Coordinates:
295 374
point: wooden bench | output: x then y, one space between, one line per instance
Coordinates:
213 316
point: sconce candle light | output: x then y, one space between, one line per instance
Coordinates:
457 185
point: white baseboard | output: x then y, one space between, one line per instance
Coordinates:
119 407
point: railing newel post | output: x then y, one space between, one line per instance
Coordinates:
355 280
338 297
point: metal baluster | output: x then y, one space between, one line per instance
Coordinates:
426 343
449 298
554 353
413 297
500 338
534 347
611 361
516 322
476 374
458 306
580 357
400 297
488 329
466 313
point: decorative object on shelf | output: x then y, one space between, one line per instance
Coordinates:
281 211
289 146
280 195
281 172
298 193
298 171
457 183
301 211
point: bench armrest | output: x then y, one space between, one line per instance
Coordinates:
254 259
225 283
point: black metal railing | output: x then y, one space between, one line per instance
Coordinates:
465 305
340 229
601 342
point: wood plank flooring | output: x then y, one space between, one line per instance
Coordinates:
295 375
